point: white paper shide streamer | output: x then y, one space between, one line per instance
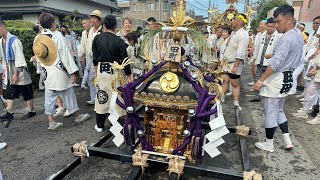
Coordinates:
219 129
116 127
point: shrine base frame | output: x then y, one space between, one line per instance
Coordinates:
125 155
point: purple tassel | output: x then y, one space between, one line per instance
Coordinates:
196 148
126 135
132 135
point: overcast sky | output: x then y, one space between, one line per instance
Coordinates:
201 6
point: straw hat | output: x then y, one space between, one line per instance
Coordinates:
45 50
96 13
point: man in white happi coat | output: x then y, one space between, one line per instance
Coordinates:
59 70
263 52
262 29
311 91
313 38
86 24
216 39
312 43
96 21
16 73
250 45
235 54
277 80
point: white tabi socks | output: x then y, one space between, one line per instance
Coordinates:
267 145
287 140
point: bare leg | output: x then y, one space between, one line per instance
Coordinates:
50 118
1 92
59 102
235 89
225 85
30 105
77 114
10 104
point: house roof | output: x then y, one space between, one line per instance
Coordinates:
107 3
124 4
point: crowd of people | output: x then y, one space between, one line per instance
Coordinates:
61 57
282 56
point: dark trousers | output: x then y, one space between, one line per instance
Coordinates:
101 119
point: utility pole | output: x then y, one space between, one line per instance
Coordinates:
129 8
169 1
209 8
245 8
160 11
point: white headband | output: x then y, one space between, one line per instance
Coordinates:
301 25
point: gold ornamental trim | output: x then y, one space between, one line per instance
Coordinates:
165 101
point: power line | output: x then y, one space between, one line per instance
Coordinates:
196 7
201 4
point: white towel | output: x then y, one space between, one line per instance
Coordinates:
273 85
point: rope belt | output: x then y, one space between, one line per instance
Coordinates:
139 159
119 77
242 130
80 149
251 175
175 165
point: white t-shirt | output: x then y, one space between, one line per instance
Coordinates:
94 34
237 46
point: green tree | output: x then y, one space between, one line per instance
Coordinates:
73 21
19 24
262 7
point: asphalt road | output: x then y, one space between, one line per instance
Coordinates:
33 152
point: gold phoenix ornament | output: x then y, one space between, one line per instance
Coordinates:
179 18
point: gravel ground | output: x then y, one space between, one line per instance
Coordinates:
33 152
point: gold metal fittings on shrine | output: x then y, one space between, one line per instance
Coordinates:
230 16
169 82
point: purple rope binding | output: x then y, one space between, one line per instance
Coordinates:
195 122
133 118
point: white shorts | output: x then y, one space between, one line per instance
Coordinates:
229 67
68 97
